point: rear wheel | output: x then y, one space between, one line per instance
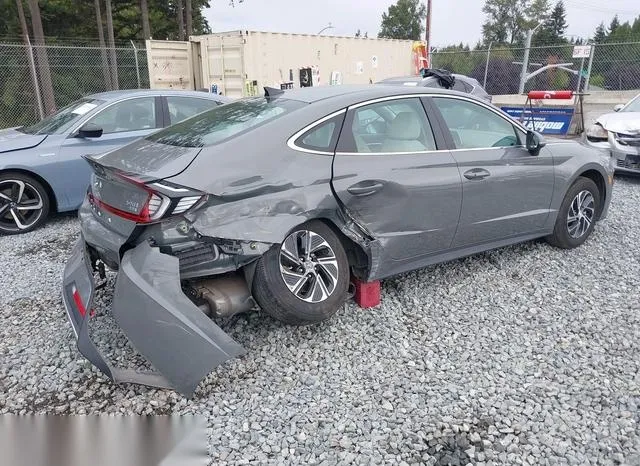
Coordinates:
305 279
577 215
24 203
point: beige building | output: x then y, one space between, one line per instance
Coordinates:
241 63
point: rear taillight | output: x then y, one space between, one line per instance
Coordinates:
156 206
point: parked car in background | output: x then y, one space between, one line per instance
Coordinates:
278 200
41 166
460 83
619 133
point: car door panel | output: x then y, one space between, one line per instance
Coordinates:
409 201
414 208
507 191
513 199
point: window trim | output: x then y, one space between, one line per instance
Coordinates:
291 142
110 104
420 95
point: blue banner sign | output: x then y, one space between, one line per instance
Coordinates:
545 120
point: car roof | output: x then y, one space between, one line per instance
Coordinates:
417 79
358 92
117 95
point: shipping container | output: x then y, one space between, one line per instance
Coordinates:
242 63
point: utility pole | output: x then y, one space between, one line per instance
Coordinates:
427 34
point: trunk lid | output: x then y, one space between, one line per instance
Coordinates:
122 194
147 160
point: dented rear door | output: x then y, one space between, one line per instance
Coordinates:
400 185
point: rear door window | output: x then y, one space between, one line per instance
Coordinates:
393 126
181 108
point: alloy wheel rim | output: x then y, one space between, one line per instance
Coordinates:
581 214
20 205
308 266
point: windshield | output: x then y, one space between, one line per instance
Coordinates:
62 120
224 122
633 106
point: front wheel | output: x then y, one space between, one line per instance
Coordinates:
24 204
305 279
577 215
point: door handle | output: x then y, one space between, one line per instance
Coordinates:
365 188
476 174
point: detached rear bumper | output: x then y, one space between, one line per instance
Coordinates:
179 340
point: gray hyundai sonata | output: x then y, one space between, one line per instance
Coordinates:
277 202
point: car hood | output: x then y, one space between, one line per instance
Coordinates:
623 122
11 139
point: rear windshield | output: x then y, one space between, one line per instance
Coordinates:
224 122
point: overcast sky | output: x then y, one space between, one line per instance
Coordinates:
453 20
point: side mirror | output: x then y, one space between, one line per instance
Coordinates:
618 107
89 130
535 142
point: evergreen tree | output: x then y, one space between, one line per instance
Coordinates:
600 36
557 22
615 24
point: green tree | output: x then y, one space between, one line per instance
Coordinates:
67 19
553 27
404 20
506 21
44 70
600 36
144 11
615 24
557 22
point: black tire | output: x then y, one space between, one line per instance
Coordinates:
34 194
562 237
274 296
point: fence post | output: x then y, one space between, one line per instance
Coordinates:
135 56
525 61
589 67
486 66
34 76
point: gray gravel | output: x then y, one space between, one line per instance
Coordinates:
527 355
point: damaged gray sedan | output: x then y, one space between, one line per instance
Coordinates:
278 201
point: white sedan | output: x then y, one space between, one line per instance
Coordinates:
619 132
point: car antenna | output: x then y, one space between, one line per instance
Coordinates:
272 92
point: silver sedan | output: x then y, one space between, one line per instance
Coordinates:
279 201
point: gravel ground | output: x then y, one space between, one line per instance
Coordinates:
526 355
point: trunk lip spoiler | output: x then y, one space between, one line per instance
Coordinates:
101 169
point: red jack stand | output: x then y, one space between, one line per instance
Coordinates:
367 293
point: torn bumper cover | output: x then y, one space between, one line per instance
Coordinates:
179 340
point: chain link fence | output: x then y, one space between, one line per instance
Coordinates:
613 67
37 80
